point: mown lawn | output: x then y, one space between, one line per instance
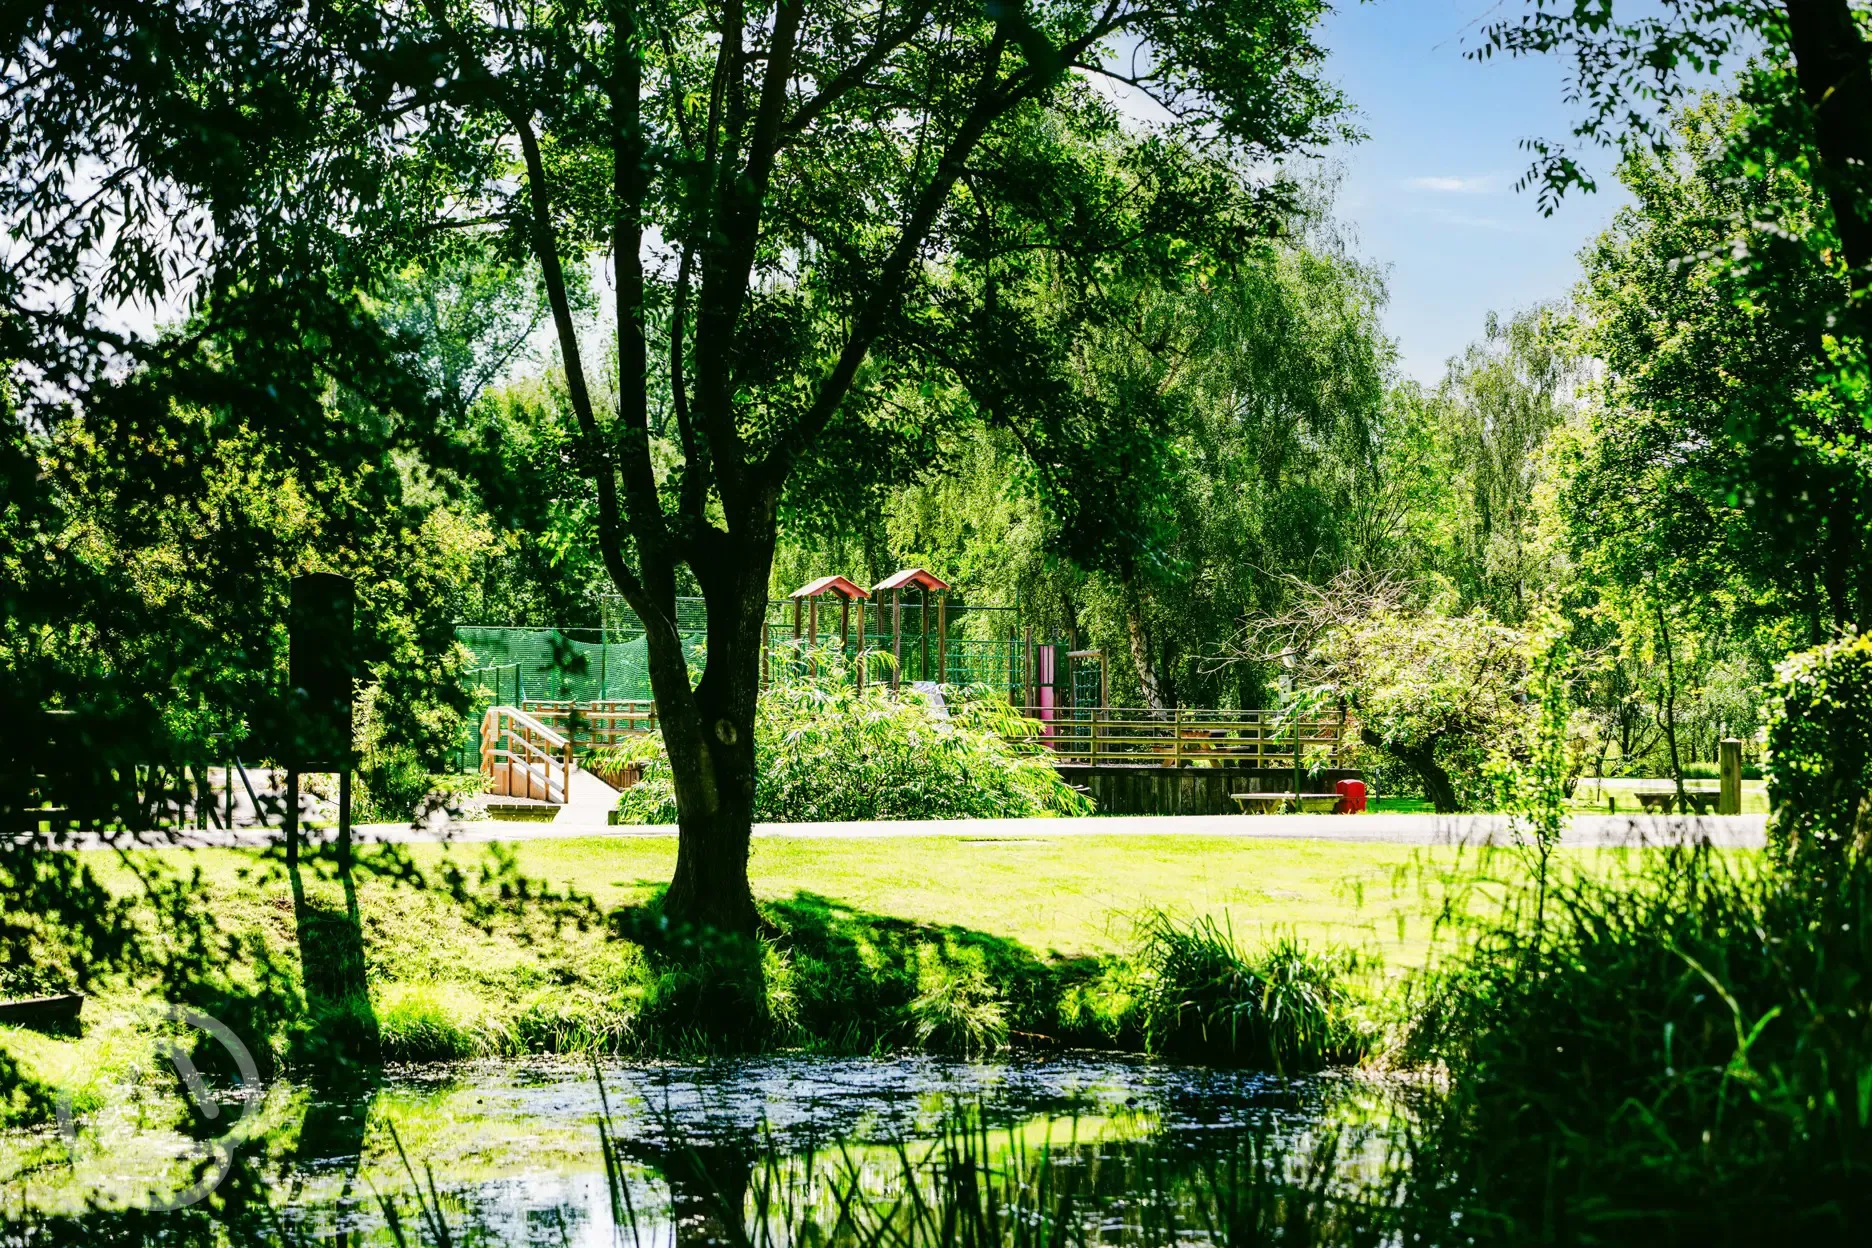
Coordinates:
1067 895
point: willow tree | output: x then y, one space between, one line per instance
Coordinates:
778 190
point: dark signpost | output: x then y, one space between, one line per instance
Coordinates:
319 628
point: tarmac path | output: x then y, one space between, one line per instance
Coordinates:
1605 831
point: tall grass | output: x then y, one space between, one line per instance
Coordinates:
1686 1045
978 1187
1283 1007
1681 1050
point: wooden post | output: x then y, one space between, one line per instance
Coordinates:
1729 800
923 637
812 636
896 638
1093 751
942 638
1296 756
1176 731
292 819
863 653
344 818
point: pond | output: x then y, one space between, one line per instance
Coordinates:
793 1147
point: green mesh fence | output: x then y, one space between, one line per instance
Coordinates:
569 664
515 665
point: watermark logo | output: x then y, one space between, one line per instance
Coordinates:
211 1158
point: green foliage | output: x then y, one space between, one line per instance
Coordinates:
1436 692
1820 751
1492 419
863 982
1283 1008
394 781
1696 486
1684 1041
1689 1045
827 751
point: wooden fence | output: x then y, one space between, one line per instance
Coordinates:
1172 738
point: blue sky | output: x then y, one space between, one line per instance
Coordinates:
1429 195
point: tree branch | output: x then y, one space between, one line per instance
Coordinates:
855 73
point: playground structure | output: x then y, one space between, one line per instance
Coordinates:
549 696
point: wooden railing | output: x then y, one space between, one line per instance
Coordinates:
1172 738
595 724
523 757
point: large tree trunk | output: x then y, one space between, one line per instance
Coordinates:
711 746
1157 694
1438 786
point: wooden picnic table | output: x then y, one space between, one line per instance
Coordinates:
1664 801
1266 803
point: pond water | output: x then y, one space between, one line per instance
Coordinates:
563 1153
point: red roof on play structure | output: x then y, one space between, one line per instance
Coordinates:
829 585
909 577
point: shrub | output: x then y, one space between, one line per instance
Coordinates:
1686 1043
1201 996
861 982
957 1009
418 1023
826 750
1820 747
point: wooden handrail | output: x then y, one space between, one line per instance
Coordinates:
531 745
603 722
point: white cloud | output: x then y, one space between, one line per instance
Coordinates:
1466 222
1482 184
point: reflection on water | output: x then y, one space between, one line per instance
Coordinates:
517 1154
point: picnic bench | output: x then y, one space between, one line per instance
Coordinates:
1268 803
1664 801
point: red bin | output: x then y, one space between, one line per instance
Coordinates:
1351 797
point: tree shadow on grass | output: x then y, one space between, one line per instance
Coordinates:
832 977
859 981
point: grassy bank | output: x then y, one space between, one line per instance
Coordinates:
947 943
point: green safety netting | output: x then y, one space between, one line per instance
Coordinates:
514 665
